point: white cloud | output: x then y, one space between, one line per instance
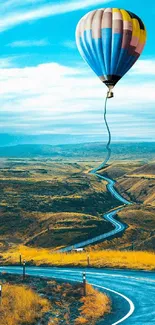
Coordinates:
29 43
53 98
144 67
27 14
60 88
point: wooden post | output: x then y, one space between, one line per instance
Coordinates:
24 265
88 260
84 284
0 294
20 259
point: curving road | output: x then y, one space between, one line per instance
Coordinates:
111 188
118 226
132 292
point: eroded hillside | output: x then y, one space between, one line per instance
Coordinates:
44 203
136 182
50 204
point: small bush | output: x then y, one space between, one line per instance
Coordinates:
94 306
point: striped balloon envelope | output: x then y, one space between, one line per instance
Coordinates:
110 40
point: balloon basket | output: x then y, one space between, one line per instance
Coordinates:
110 94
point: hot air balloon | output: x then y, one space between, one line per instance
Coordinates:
110 40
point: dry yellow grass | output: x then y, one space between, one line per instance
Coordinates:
101 258
94 306
21 305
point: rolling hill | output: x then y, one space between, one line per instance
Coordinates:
52 202
84 151
136 182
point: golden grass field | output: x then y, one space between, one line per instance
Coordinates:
108 258
21 305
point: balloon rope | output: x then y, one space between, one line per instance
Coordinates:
109 134
108 143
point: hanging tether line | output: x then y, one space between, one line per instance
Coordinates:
109 140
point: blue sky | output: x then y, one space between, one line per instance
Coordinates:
46 88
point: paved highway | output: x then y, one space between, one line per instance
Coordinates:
132 292
118 226
112 190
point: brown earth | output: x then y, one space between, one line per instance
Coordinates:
49 204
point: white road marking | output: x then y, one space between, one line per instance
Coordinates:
118 228
131 304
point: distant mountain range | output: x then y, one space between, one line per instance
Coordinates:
7 139
97 150
51 139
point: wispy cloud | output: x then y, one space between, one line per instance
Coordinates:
29 43
69 44
28 13
6 62
18 3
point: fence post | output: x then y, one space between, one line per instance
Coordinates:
24 266
84 284
88 260
0 294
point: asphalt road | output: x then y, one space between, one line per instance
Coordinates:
118 226
132 292
112 190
